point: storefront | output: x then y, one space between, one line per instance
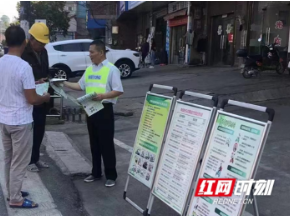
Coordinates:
177 22
160 28
178 39
227 32
270 23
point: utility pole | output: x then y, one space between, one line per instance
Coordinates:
24 16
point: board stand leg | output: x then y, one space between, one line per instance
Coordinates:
126 187
255 203
149 208
129 200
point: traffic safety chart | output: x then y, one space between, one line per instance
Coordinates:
149 138
181 154
232 152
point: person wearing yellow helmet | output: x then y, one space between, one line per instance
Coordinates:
36 55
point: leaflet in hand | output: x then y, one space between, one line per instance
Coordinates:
41 88
91 107
58 90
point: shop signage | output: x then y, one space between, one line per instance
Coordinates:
279 25
231 38
134 4
178 21
176 6
123 6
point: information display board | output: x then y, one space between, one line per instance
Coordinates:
149 138
181 153
232 152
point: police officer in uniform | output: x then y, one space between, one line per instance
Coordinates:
102 78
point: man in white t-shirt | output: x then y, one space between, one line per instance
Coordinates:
17 95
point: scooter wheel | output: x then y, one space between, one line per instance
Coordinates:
246 74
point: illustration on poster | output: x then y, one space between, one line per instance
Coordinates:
145 165
218 173
150 167
196 206
138 152
228 142
148 177
232 157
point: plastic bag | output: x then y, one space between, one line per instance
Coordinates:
147 59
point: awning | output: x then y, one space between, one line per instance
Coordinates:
179 21
175 14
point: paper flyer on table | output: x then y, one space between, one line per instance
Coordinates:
41 88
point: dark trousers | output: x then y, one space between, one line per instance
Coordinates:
39 117
101 127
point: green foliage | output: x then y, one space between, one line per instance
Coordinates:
53 12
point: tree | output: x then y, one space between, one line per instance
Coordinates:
15 23
53 12
5 21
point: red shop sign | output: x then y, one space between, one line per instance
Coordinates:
231 38
179 21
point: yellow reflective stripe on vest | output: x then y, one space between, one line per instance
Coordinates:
96 81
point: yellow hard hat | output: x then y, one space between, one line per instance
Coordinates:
40 32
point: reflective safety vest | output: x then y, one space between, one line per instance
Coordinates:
96 81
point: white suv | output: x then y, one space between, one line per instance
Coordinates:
71 58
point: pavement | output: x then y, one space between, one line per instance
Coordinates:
66 146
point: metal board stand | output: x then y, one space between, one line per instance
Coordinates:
208 129
264 136
137 207
271 115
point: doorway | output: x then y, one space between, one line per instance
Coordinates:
223 40
178 44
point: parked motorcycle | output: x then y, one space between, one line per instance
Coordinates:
270 59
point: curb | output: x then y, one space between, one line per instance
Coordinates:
61 150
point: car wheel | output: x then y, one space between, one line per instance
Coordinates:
125 68
62 73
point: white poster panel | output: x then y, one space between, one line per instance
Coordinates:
232 152
181 154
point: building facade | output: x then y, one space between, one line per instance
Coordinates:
208 33
81 19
